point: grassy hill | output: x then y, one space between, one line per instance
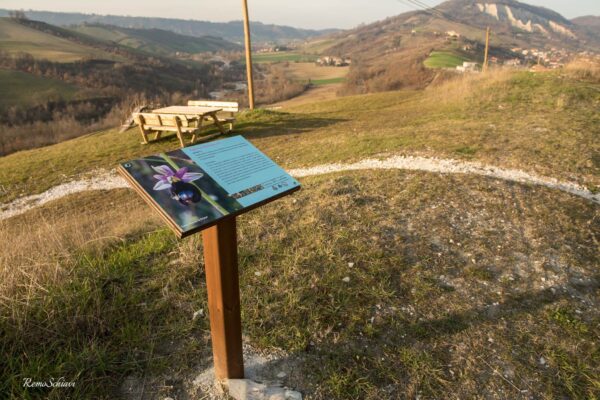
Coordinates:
108 74
17 38
157 41
232 31
372 284
390 53
22 89
558 114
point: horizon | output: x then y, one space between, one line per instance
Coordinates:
357 11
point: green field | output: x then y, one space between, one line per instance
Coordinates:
319 82
443 59
16 38
370 284
22 89
283 57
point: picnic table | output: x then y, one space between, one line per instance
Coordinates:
181 119
194 113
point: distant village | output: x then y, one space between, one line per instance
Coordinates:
533 58
325 61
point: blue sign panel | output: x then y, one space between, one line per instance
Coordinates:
241 169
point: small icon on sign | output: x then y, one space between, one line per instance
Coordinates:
128 165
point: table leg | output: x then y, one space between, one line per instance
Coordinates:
218 123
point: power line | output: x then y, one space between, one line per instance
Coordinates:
427 10
422 6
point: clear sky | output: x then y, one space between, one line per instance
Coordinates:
303 14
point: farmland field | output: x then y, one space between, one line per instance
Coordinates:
283 57
443 59
20 88
329 81
306 71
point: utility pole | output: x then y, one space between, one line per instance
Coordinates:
248 55
487 49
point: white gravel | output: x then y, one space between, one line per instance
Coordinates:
447 166
102 180
108 180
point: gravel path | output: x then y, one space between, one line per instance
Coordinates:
109 180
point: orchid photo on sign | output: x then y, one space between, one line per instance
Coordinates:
182 189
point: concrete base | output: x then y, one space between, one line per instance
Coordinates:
246 389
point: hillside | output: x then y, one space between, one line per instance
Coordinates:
518 24
19 38
372 282
591 25
392 53
590 21
232 31
156 41
50 64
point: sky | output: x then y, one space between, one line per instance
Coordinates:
316 14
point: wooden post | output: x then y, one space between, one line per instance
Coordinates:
248 55
487 49
221 260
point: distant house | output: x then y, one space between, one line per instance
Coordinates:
513 62
468 66
452 34
333 61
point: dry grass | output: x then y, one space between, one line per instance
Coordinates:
311 71
37 248
584 69
312 95
457 88
458 285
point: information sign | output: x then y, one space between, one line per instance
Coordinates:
195 187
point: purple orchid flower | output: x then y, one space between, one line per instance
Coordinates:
166 176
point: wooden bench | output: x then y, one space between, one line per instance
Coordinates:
159 123
227 115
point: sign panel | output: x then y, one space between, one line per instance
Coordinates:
194 187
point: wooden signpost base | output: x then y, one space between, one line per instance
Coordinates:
221 260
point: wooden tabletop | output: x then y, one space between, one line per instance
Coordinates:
187 110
